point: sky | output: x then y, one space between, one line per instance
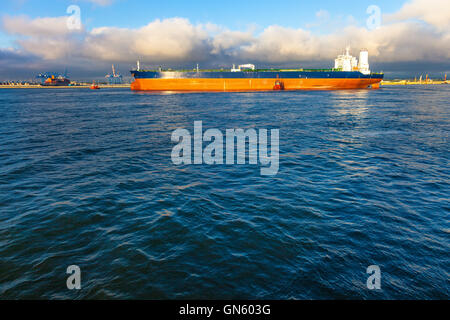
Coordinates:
403 36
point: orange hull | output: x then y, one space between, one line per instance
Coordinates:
251 84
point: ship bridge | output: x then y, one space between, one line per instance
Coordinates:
243 67
346 62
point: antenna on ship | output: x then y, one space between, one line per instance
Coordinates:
138 66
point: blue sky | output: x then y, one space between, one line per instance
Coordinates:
413 34
233 14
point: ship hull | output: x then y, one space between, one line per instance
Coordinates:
252 81
252 84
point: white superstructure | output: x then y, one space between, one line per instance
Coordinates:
346 62
363 65
243 66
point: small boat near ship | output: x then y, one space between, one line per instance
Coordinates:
94 86
347 73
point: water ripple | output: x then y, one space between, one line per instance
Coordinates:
86 178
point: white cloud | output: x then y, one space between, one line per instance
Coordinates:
39 27
277 43
101 2
323 14
433 12
168 40
230 41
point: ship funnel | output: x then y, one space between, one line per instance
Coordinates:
347 51
363 65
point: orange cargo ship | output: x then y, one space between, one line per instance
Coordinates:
347 74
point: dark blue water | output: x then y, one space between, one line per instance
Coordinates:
86 178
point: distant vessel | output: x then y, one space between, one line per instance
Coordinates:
347 73
53 80
94 86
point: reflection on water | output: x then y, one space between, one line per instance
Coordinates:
351 102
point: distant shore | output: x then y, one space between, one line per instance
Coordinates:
410 82
86 86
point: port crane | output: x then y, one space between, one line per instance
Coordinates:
114 78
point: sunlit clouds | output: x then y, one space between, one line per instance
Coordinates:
419 31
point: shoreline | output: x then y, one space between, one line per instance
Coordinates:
409 82
33 86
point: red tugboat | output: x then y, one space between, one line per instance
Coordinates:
279 85
94 86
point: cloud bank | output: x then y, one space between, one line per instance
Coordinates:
418 32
